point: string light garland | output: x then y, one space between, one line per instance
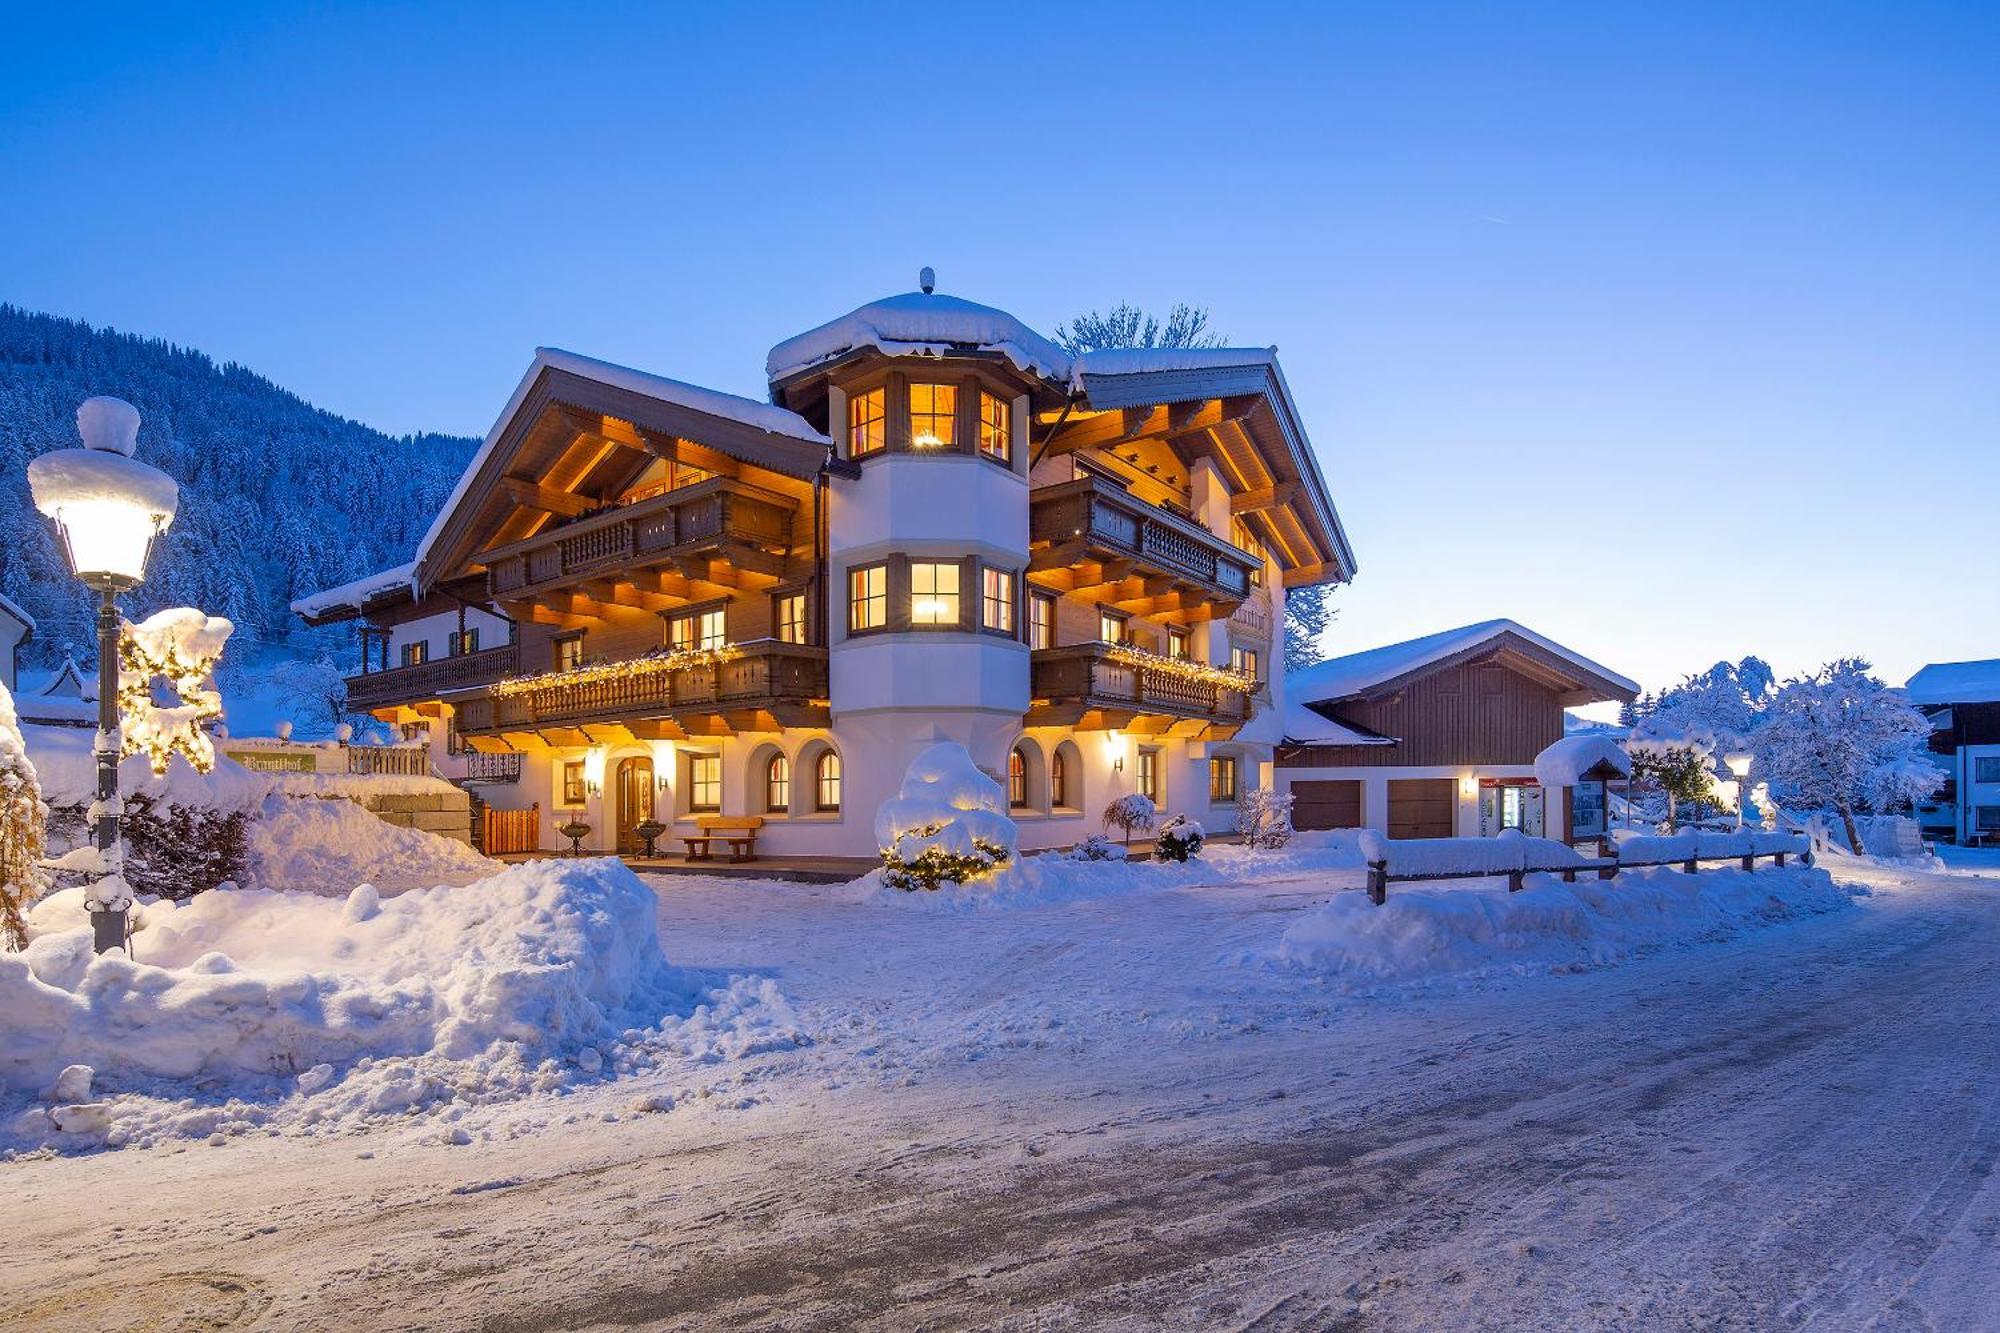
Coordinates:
652 664
1196 673
181 648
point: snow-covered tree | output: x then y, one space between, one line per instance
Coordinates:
1126 325
23 825
1838 738
1308 613
1130 814
1678 765
1724 703
948 824
1264 817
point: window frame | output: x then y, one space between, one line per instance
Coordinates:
880 393
1008 601
415 653
1223 793
1039 598
697 761
1249 661
885 599
575 791
1000 426
1017 779
1059 780
779 623
694 615
956 565
1179 643
1983 764
1149 774
823 781
560 644
1108 616
777 784
947 442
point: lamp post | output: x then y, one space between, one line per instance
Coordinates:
109 507
1739 764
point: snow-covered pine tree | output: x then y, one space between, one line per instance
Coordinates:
1838 738
1308 613
23 829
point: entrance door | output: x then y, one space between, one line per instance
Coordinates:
635 803
1326 804
1421 807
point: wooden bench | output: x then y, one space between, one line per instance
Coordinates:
739 831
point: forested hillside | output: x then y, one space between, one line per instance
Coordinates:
277 497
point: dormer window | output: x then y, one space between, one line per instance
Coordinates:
933 416
996 428
867 423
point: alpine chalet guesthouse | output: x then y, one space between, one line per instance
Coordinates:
647 602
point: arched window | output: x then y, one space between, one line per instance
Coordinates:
1059 777
778 785
826 782
1017 780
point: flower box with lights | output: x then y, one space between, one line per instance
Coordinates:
657 664
1181 669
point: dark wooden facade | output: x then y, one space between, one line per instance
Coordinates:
1483 713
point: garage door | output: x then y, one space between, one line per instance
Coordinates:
1420 807
1329 804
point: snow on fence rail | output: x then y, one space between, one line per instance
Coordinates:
1516 856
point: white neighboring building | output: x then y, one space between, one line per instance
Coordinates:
649 601
1435 737
16 628
1962 700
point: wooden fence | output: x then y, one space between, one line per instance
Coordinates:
402 761
504 831
1605 866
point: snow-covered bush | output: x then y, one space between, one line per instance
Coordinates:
1180 838
1839 739
1264 817
1096 847
1130 815
23 828
1679 766
948 824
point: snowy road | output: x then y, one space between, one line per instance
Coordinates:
1003 1122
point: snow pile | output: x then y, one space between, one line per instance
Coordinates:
1547 926
1704 844
98 488
948 823
255 1008
1564 763
68 770
1510 850
921 324
329 846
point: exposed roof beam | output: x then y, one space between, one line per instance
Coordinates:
1269 497
1171 422
546 498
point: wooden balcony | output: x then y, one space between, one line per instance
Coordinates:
1104 535
428 680
754 686
1082 686
748 526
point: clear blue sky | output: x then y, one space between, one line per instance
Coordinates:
1668 330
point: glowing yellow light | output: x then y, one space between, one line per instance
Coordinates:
1468 785
1198 673
926 440
653 664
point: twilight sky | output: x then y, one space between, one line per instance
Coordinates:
1669 331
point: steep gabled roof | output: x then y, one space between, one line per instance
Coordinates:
8 607
1382 670
1956 683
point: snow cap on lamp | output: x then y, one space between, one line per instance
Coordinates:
108 424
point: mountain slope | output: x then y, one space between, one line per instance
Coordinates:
278 498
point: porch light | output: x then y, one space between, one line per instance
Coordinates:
1468 785
593 770
1739 763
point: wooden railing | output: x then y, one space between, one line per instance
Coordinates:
1086 673
492 769
746 677
1381 874
642 533
1253 617
402 761
1105 517
427 680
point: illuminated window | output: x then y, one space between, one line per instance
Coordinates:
778 785
1149 775
867 423
1059 779
1244 660
1222 779
826 782
569 653
704 782
464 642
934 592
997 600
868 597
572 782
791 617
1041 620
416 653
1177 644
933 416
996 428
1110 627
697 629
1017 780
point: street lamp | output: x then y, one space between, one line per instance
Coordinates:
1739 764
109 507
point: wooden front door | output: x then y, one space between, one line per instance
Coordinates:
1326 804
635 803
1421 807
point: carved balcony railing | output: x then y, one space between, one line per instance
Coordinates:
427 680
752 676
491 770
1254 617
747 521
1069 681
1094 517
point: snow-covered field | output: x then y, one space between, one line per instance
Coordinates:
1123 1102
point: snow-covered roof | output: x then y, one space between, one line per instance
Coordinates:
1357 673
1956 683
1304 726
921 324
356 594
1564 763
1153 360
10 607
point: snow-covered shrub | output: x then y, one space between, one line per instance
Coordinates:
1264 817
1180 838
947 824
23 828
171 850
1096 847
1129 815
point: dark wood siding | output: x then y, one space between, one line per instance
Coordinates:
1324 805
1474 713
1420 807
